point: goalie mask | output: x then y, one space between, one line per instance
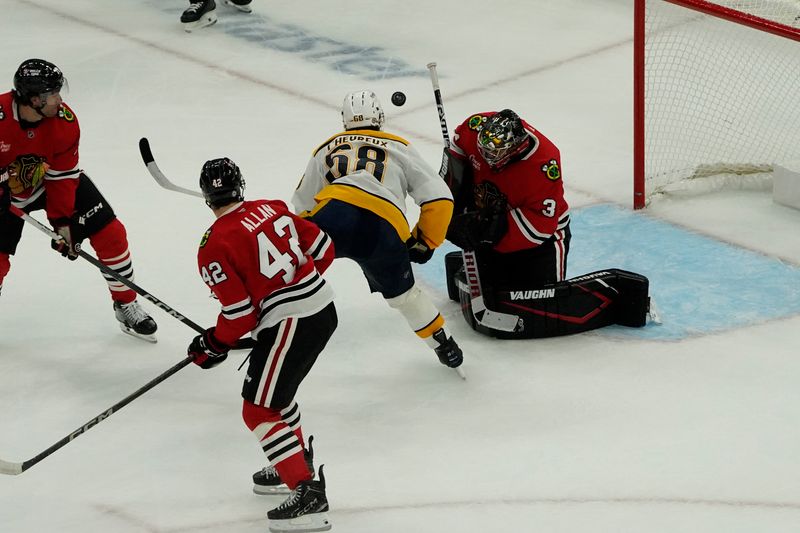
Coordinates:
221 182
502 137
37 77
362 109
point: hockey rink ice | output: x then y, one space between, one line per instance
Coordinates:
691 426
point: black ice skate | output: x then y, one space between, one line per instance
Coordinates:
267 480
241 5
199 14
304 511
135 321
449 353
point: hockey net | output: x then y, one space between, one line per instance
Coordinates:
717 94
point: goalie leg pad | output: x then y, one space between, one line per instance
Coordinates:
576 305
453 262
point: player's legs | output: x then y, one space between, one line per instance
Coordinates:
10 234
281 359
96 221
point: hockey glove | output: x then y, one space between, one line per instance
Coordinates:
418 250
5 198
207 351
69 245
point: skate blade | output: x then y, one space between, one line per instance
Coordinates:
132 333
261 490
460 372
302 524
209 19
243 9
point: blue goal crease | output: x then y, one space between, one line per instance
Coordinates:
700 285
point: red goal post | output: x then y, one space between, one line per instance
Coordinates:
716 90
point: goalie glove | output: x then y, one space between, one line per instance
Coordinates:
207 351
69 245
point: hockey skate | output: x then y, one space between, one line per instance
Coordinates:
267 480
450 355
199 14
135 321
304 511
241 5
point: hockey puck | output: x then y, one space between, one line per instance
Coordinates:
398 98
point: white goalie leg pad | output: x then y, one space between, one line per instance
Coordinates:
418 310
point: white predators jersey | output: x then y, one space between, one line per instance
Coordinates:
376 170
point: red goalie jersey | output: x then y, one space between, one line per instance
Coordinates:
264 264
532 185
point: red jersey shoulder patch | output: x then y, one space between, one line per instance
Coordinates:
551 170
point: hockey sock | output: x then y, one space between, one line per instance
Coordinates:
111 246
5 266
419 312
281 445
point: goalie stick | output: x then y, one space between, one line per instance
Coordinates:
13 469
161 179
241 344
483 315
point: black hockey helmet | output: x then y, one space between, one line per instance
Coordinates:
36 77
501 137
221 182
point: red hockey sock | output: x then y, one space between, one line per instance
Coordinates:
281 445
111 246
5 266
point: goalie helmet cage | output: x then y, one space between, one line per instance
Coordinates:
716 92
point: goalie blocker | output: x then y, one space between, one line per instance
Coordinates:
591 301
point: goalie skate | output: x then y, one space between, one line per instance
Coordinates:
199 14
135 321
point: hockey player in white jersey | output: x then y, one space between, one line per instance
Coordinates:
355 189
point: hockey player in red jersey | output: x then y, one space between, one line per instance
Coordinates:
510 210
265 266
39 169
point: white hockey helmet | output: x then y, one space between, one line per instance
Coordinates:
362 109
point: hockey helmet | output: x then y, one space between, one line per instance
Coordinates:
37 77
221 182
362 109
502 137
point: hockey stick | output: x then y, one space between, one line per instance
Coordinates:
13 469
161 179
483 315
241 344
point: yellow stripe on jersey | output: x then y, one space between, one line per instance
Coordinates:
434 217
360 198
365 133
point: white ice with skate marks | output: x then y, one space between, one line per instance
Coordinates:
580 434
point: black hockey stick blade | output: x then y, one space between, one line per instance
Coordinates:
152 167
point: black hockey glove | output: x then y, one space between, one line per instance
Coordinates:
207 351
418 250
5 197
69 244
474 230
